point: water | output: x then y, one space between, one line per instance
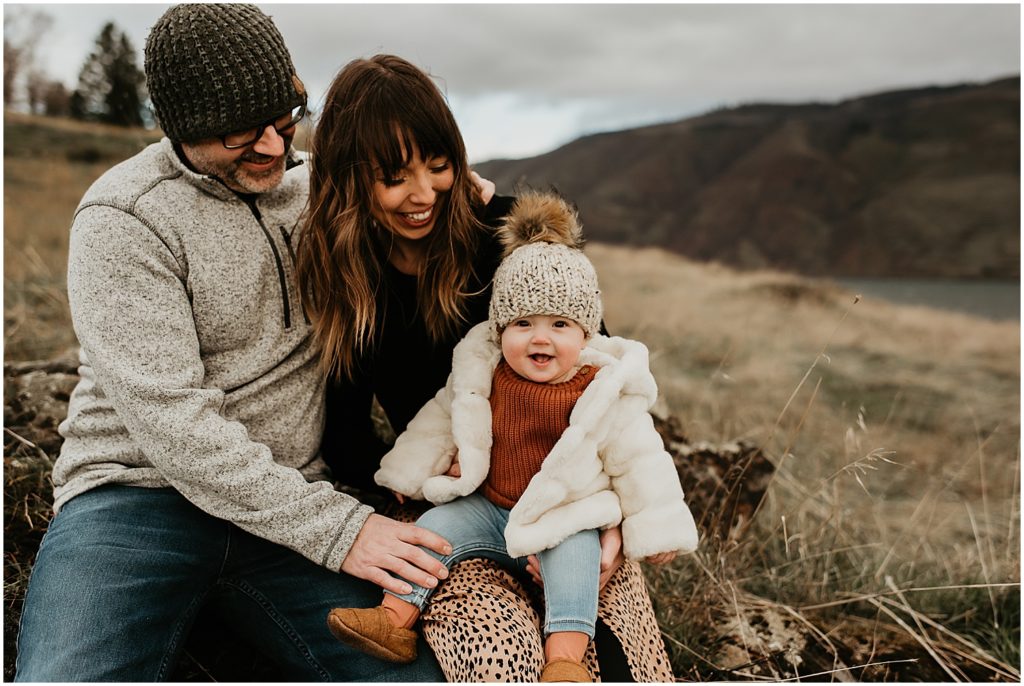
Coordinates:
990 299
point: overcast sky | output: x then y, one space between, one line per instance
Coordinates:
524 79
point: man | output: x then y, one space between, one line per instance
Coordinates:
190 475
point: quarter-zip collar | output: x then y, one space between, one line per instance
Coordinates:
250 200
273 198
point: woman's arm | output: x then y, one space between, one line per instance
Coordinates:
351 446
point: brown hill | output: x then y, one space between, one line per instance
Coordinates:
921 182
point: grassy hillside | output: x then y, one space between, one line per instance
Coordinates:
888 545
922 182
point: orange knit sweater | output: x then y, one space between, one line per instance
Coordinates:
527 420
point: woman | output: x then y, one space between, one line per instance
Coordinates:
396 261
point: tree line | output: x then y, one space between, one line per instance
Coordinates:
111 87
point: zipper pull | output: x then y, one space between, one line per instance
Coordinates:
288 242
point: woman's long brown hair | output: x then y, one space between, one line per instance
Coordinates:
371 108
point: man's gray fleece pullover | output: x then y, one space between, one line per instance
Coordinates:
197 366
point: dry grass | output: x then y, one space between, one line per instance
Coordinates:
47 167
888 545
895 431
40 196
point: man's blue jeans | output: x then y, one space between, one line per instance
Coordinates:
571 570
123 571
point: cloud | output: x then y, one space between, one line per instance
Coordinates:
540 72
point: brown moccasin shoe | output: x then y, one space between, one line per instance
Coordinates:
565 671
370 631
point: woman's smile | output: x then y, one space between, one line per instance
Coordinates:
417 219
409 203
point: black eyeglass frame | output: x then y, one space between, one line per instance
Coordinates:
296 118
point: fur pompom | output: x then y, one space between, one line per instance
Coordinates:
541 218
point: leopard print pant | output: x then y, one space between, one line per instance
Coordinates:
484 626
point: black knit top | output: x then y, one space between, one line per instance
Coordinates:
404 369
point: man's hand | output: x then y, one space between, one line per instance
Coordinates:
611 558
385 547
484 187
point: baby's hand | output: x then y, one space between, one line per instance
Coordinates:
454 470
399 497
660 558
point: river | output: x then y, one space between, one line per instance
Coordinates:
998 300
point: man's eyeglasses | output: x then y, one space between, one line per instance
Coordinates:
281 123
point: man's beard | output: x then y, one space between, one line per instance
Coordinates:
238 177
234 175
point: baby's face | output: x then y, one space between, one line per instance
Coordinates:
542 348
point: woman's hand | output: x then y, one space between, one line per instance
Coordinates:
660 558
484 187
385 547
611 553
533 569
611 558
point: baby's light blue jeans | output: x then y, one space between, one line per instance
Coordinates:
571 570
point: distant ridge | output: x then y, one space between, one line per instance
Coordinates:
919 182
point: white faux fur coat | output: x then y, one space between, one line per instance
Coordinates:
609 466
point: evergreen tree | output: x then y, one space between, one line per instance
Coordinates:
124 99
111 87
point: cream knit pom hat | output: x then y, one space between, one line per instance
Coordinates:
545 270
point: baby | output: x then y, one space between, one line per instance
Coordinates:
546 422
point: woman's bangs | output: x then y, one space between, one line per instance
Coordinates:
435 141
384 149
429 136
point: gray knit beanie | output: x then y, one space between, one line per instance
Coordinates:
214 69
545 270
